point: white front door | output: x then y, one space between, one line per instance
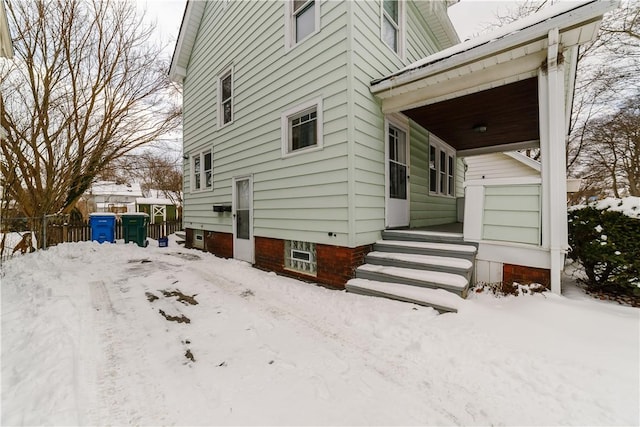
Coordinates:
397 177
243 219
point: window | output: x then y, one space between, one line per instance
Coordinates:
300 256
392 18
397 163
441 168
451 170
302 128
225 97
303 19
433 170
202 171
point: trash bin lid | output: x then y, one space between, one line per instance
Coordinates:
135 214
102 214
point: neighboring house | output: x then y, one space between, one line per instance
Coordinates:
311 127
108 196
158 206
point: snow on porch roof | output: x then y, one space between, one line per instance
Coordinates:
562 14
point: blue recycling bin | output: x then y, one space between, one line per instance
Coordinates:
103 227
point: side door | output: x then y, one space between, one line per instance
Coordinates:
242 214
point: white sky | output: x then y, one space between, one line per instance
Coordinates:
470 16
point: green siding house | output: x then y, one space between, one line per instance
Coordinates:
311 127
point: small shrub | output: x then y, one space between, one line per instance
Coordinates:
607 244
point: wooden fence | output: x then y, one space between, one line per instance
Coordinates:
59 232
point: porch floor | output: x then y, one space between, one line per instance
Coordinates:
456 227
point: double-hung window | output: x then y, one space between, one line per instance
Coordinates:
392 23
303 19
225 97
442 163
202 171
302 128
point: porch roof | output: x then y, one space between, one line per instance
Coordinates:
482 95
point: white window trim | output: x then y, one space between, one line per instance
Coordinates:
441 146
289 25
284 127
223 74
192 175
402 23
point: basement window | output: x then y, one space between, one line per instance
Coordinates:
300 257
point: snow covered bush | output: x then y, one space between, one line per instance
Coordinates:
607 244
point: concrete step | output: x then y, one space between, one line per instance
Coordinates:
425 236
453 283
467 252
463 267
439 299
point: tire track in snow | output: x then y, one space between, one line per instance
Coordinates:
116 365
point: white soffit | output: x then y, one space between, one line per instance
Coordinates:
6 47
520 45
186 38
435 14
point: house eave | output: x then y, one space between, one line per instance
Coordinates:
577 25
186 38
528 161
435 14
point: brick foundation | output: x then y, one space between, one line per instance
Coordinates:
219 244
188 238
525 275
269 254
336 264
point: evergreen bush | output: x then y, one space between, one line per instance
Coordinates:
607 244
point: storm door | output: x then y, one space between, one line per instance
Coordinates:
397 177
243 219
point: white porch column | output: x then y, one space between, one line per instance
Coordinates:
553 156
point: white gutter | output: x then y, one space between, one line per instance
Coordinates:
563 15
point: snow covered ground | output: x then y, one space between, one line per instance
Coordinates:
85 341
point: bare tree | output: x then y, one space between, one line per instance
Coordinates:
608 72
153 169
613 149
86 86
